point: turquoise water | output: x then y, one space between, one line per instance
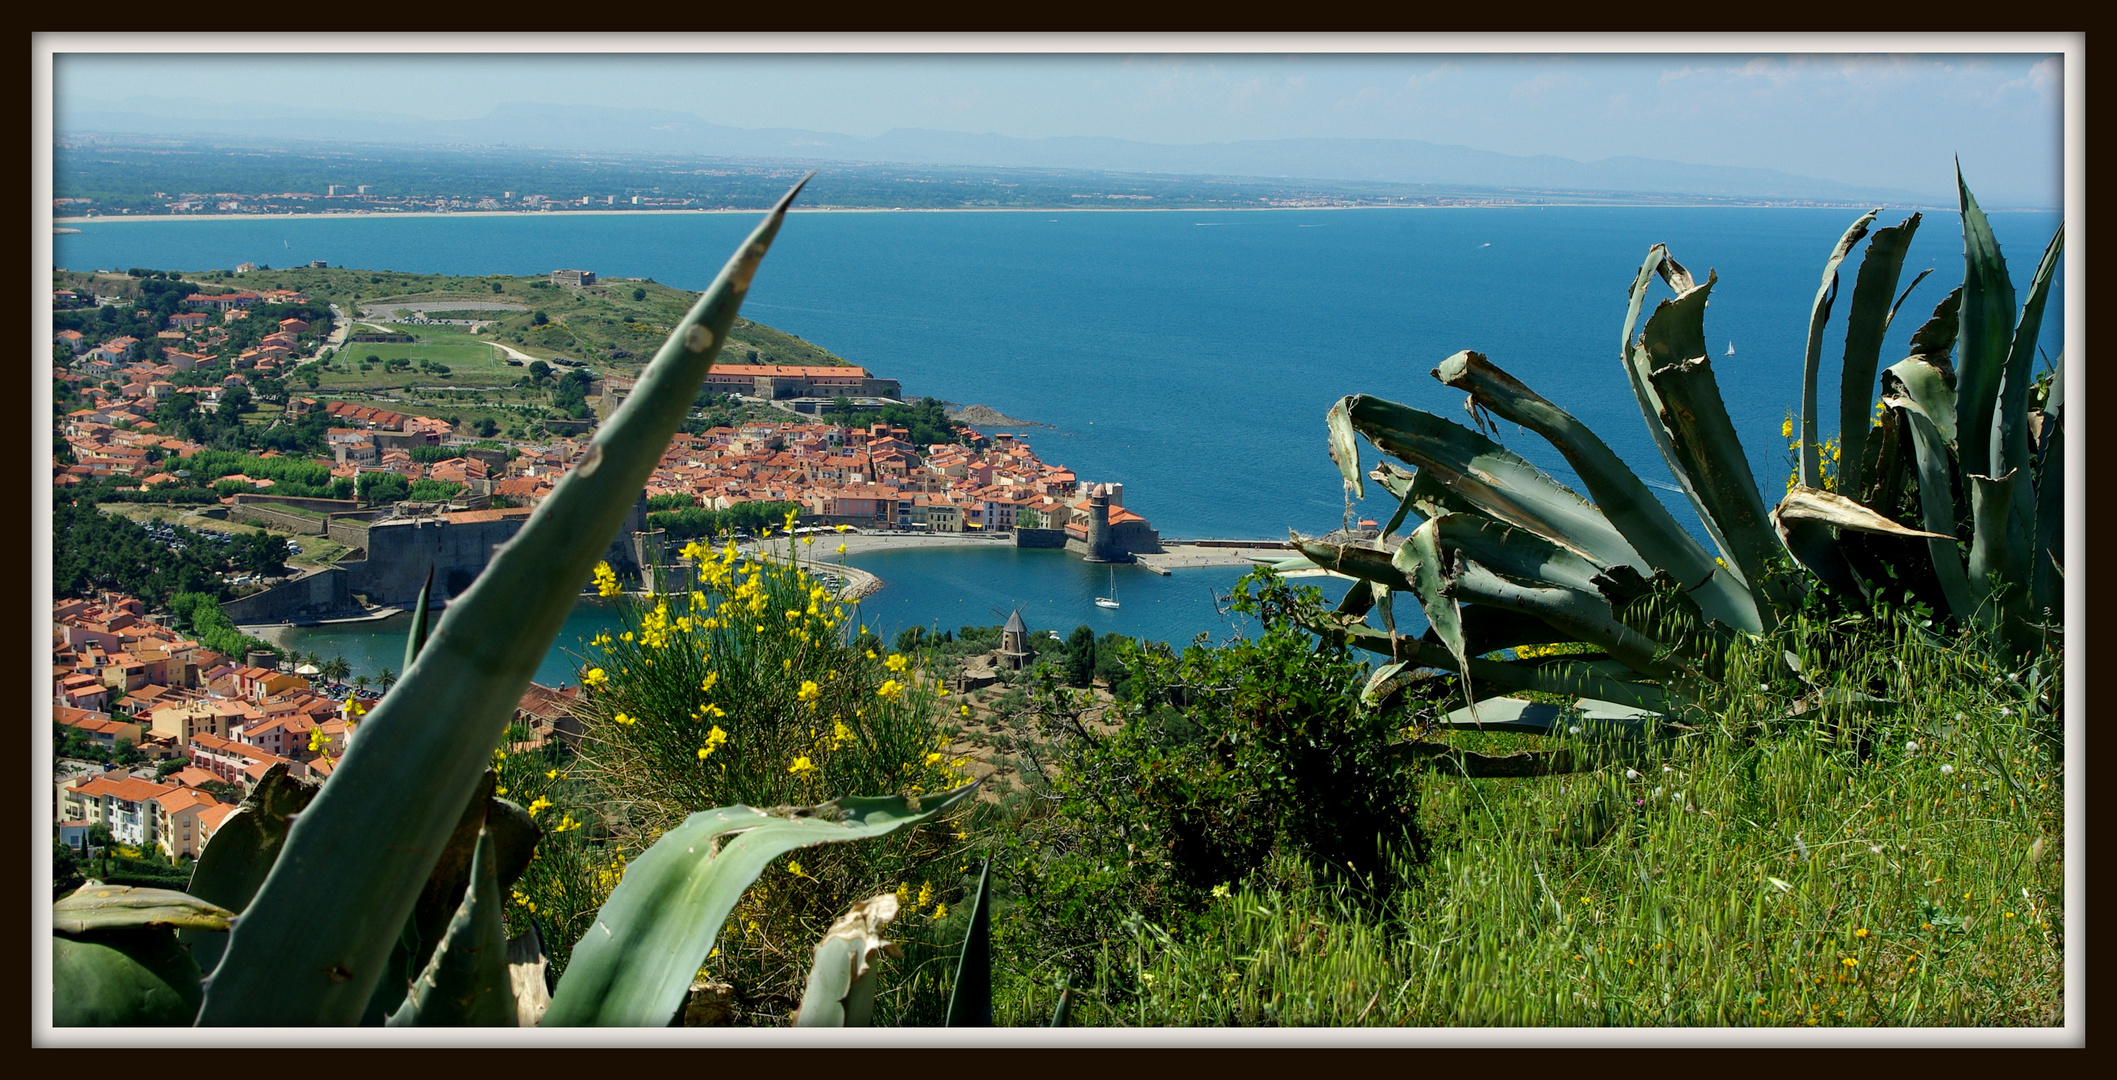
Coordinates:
1189 355
939 588
372 646
949 588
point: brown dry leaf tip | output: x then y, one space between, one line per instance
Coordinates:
698 339
592 461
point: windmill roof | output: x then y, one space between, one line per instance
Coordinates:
1015 624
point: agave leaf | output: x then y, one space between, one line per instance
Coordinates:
1937 506
1893 308
1716 470
634 966
1064 1007
357 858
123 978
1924 389
1618 493
1672 335
1814 544
234 863
1556 676
1494 479
467 983
1637 365
841 986
2013 408
1538 718
1934 340
1365 561
1419 559
528 974
1865 324
1490 629
1834 509
1818 316
1381 684
1676 331
970 999
416 638
1584 615
95 907
1344 447
1987 318
2047 579
2000 545
1513 552
1358 600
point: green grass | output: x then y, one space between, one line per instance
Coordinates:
1815 870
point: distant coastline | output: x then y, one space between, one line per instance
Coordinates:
798 209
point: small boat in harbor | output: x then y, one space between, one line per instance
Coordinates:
1110 600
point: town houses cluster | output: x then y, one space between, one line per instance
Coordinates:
209 726
874 477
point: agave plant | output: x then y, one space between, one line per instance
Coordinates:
376 898
1952 483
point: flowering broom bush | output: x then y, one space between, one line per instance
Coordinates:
751 687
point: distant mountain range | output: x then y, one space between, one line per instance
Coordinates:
590 128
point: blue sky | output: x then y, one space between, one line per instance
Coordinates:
1887 120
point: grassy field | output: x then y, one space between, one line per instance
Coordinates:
1898 865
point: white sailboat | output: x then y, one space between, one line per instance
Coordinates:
1110 600
1731 348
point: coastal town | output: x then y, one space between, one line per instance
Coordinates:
169 733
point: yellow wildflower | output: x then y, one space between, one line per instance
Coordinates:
552 775
1786 429
605 580
940 911
801 765
626 720
794 868
809 692
714 739
711 678
594 676
891 690
540 804
896 662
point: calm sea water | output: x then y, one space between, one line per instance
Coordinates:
1189 355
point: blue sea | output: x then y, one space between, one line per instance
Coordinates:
1189 355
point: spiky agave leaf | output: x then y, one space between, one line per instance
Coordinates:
358 856
1617 492
634 966
1865 323
1818 317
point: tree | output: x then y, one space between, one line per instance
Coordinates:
360 681
386 679
235 401
383 487
336 669
1080 656
639 294
540 318
486 428
261 553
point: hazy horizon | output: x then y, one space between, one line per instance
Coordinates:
1883 122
